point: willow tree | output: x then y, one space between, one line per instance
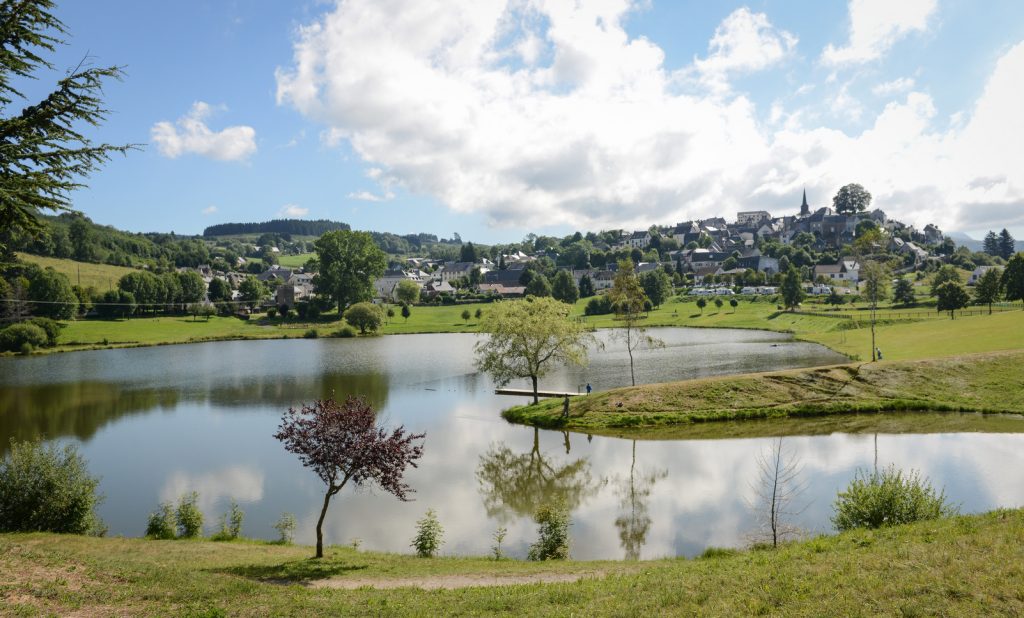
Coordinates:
44 151
528 338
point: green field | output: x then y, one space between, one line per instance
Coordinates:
295 261
988 382
970 565
103 277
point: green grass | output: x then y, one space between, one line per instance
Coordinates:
969 565
103 277
295 261
989 382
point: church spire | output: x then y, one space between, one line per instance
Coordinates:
805 210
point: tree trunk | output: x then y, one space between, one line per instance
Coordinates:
535 399
320 526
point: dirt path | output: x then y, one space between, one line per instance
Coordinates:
452 582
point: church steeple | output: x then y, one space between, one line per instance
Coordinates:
805 210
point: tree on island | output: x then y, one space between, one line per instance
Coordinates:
527 338
45 156
348 263
342 443
952 296
628 299
988 289
851 199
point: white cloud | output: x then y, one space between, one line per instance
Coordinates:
209 210
190 135
366 196
744 41
594 133
875 25
292 210
903 84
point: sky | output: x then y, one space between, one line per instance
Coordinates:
498 118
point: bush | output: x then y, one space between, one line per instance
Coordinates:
286 528
189 517
888 498
47 488
50 327
367 317
16 336
345 332
311 334
313 311
553 530
429 535
499 537
161 522
598 305
230 527
272 312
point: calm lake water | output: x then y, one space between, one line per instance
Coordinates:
155 423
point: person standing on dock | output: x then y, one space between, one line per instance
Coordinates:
565 406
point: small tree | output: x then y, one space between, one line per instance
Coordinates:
733 303
342 443
778 487
161 524
407 291
553 532
876 288
888 498
479 313
46 488
628 298
285 529
564 288
792 290
951 297
718 303
466 315
189 517
365 316
406 312
988 289
946 274
429 535
701 303
903 292
526 338
586 286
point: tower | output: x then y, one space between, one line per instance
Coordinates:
805 210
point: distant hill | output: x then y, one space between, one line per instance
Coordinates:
963 240
295 227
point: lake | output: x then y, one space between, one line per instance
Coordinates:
157 422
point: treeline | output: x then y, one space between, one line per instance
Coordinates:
294 227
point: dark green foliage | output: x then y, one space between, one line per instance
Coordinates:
429 535
657 286
599 305
116 304
1013 278
348 263
52 295
1006 244
161 523
44 487
272 312
988 288
468 253
219 290
538 286
230 526
903 292
368 317
252 290
888 498
466 315
792 291
553 534
16 337
45 156
311 334
193 288
946 273
991 243
50 327
295 227
406 312
146 287
188 516
851 199
564 288
345 332
701 303
586 286
952 295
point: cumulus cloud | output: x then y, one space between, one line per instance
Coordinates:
209 210
191 135
875 25
366 196
544 113
293 211
895 86
744 41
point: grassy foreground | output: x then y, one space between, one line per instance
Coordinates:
987 382
970 565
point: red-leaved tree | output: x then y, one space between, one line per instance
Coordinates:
342 443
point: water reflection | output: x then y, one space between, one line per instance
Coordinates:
634 521
518 484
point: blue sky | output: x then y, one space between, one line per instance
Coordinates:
494 119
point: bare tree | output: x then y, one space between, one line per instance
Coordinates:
627 295
777 489
635 521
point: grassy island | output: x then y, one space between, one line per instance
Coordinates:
991 382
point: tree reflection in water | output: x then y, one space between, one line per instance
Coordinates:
517 484
634 522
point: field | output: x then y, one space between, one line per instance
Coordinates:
970 565
103 277
295 261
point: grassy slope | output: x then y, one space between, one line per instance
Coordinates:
988 382
100 276
295 261
961 566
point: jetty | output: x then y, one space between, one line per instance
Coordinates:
526 392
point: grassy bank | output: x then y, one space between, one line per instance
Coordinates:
103 277
987 382
970 565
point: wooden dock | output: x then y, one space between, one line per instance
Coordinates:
525 392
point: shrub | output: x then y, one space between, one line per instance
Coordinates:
313 312
161 522
230 527
553 531
50 327
367 317
47 488
429 535
16 336
285 528
189 517
499 536
284 310
272 312
599 305
311 334
345 332
888 498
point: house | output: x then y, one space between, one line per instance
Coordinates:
899 245
753 218
639 240
603 280
275 272
511 291
434 288
845 270
978 273
384 287
762 263
455 270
